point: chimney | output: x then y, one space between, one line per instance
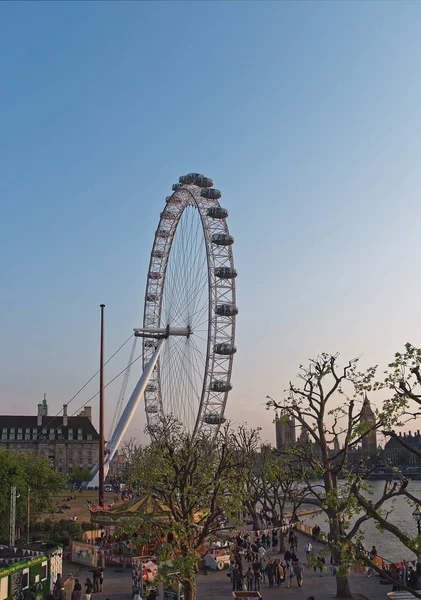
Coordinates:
64 415
88 412
39 415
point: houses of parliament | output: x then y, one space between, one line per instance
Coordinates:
286 435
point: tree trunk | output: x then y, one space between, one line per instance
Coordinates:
255 519
189 586
342 587
282 542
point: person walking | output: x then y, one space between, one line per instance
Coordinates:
290 575
97 576
257 579
299 573
279 573
308 548
101 578
270 571
250 579
237 579
77 591
88 588
59 587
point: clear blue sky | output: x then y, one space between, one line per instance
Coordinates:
306 114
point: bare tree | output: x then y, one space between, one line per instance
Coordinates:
328 406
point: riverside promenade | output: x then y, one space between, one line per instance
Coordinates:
217 586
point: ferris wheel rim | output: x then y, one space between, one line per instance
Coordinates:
189 195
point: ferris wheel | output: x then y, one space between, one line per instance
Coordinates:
190 305
189 317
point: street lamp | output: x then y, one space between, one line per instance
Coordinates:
417 518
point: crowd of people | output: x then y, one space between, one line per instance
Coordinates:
262 568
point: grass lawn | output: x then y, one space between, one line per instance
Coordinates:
79 507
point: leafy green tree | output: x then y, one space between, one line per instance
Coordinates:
79 476
200 480
30 476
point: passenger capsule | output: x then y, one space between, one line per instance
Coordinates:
196 179
224 349
163 233
210 193
161 254
176 186
166 214
155 275
204 182
214 419
225 273
220 386
152 298
217 212
226 310
222 239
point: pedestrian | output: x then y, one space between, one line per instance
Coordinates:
290 575
287 557
299 573
279 573
77 590
30 593
257 580
372 555
308 548
412 578
237 579
88 588
321 564
97 576
101 578
250 579
270 571
274 543
263 569
59 586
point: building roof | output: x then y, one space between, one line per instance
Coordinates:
413 440
30 422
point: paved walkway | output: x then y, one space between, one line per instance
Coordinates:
217 586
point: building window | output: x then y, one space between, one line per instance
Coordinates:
27 430
89 436
4 436
44 571
12 436
35 431
44 431
25 579
19 436
80 436
4 429
20 430
27 436
59 431
70 434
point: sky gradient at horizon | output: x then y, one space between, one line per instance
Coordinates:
306 115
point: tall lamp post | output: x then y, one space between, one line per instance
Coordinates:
417 518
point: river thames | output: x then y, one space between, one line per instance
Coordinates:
401 516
